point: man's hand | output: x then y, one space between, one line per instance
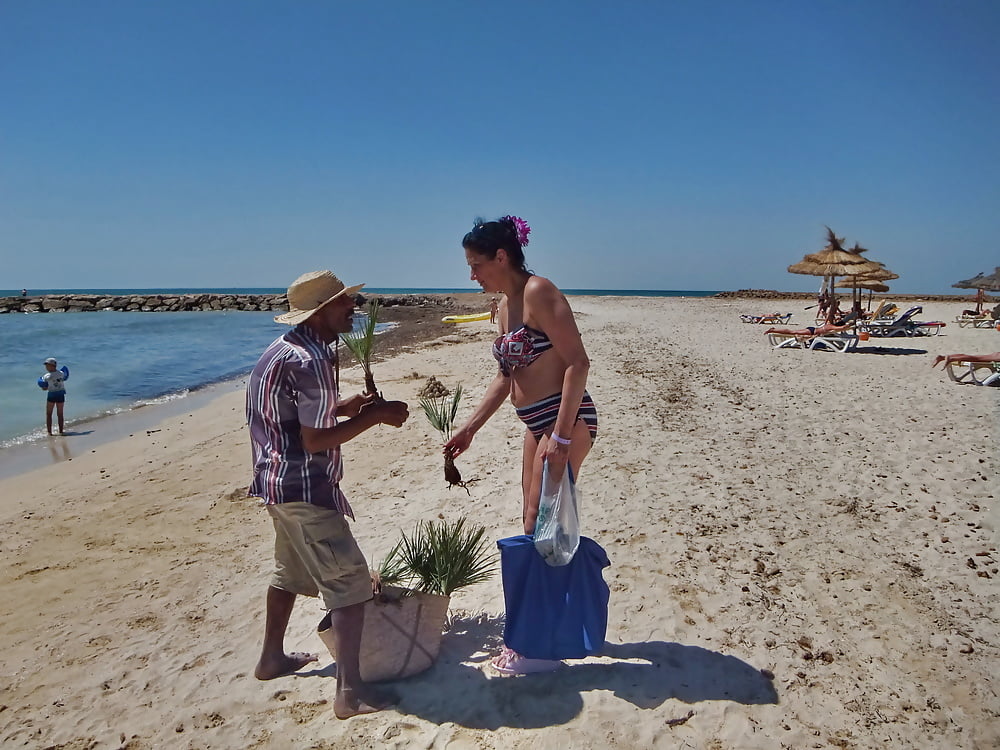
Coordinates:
351 407
392 413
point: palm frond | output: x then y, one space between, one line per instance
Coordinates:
362 343
443 412
440 557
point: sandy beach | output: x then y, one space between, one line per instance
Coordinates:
803 554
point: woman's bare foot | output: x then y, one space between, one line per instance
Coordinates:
287 664
367 700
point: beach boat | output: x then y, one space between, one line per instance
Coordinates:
469 318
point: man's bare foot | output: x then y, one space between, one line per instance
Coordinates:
350 702
938 360
289 663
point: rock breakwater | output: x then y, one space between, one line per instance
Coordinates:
56 303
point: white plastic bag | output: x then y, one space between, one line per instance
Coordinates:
557 528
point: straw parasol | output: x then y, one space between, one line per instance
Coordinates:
863 281
832 261
990 283
981 283
858 282
873 286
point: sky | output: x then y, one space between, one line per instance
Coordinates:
682 145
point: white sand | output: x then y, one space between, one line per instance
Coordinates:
827 519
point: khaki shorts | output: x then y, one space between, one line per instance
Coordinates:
315 555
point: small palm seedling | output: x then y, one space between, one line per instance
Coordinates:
362 345
439 558
441 413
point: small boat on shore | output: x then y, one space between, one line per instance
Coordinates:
469 318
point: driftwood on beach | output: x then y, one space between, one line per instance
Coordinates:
174 302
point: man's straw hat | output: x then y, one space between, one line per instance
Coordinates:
310 292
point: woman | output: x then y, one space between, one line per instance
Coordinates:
820 330
543 369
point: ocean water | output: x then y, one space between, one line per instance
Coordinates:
119 361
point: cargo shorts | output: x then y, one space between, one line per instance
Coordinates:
315 554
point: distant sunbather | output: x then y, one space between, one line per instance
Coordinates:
949 358
820 330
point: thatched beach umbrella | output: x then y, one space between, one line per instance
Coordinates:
863 281
832 261
857 282
990 283
981 283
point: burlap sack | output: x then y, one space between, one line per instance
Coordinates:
402 633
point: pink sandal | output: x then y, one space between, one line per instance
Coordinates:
509 662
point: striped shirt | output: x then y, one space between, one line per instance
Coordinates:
295 383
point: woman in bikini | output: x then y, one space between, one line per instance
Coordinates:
542 369
820 330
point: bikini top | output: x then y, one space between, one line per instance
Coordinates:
520 348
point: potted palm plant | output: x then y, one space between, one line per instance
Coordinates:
405 619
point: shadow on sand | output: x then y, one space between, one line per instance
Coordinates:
644 674
886 350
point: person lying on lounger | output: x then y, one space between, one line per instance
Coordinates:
949 358
820 330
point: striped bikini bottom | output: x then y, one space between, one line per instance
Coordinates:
541 415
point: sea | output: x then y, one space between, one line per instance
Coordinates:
122 363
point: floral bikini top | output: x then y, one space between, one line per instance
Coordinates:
520 348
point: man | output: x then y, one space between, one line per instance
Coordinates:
53 382
298 422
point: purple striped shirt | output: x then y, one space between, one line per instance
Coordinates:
294 383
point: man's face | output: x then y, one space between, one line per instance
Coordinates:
336 318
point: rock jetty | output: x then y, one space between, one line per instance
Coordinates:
141 302
56 303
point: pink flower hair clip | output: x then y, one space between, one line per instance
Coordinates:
521 228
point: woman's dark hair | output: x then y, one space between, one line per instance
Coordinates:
487 237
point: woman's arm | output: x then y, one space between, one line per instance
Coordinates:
547 307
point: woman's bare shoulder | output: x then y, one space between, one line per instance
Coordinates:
540 288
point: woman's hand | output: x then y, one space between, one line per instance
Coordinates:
557 456
459 442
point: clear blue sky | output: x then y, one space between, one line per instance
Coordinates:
651 145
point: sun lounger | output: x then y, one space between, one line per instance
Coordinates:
904 325
835 342
787 341
974 373
772 319
976 321
886 311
